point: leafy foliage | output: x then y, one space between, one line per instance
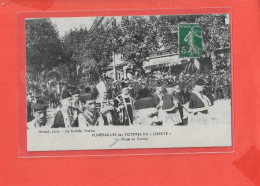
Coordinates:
92 49
216 34
135 38
43 46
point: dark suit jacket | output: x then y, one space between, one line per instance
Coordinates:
59 121
29 111
167 102
196 102
147 102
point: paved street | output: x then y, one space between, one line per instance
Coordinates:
220 112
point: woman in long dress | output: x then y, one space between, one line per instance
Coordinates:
190 39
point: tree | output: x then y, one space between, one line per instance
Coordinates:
99 48
74 44
215 33
92 49
43 46
137 39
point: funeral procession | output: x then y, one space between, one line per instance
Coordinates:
166 70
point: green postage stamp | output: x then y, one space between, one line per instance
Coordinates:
190 40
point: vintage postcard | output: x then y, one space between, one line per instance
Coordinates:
128 82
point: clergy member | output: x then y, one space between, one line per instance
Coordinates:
124 106
64 117
90 117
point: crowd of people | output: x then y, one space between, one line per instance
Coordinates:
156 99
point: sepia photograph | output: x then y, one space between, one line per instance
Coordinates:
126 82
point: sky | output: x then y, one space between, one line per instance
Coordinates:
66 23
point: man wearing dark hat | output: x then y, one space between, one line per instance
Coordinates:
39 114
137 87
90 116
74 106
199 104
64 117
146 108
157 93
124 105
208 89
169 112
185 94
104 105
177 94
44 92
33 97
36 96
75 98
